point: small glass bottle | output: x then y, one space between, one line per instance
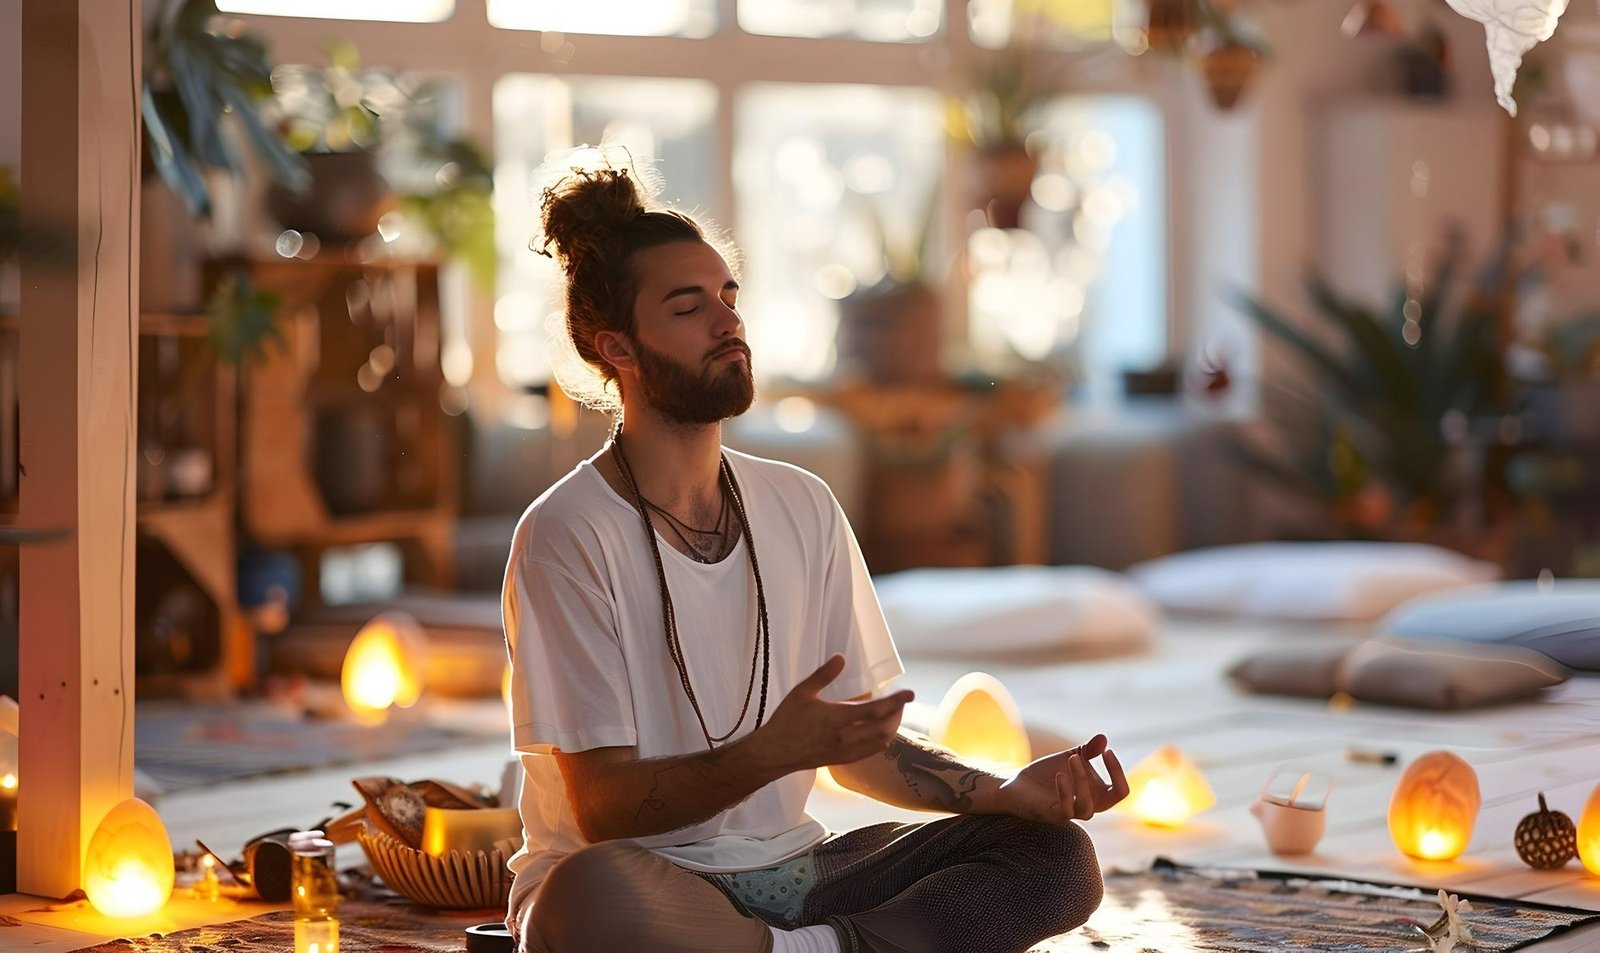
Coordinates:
315 893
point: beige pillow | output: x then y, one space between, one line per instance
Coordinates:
1310 670
1445 676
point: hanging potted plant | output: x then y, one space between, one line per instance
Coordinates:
1000 111
1231 54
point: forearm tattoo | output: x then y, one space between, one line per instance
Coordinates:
674 780
933 776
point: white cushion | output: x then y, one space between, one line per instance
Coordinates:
1331 581
1011 609
1562 620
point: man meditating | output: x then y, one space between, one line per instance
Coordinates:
693 633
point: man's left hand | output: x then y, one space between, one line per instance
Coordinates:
1063 787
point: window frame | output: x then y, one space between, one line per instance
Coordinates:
730 59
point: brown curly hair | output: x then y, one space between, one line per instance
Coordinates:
593 222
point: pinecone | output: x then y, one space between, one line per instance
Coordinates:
1546 839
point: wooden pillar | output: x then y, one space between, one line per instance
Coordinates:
80 164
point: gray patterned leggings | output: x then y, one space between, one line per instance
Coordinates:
968 884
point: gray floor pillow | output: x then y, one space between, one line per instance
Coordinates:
1408 675
1560 621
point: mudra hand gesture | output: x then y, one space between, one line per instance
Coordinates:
1062 787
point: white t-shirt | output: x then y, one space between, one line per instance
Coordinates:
590 668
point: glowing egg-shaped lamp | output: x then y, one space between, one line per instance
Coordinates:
1167 790
383 667
1434 807
1589 834
979 721
127 871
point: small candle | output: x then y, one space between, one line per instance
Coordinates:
209 887
468 830
316 936
8 801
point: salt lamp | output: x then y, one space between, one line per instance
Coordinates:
127 871
383 667
1434 807
8 763
1589 834
1166 789
979 721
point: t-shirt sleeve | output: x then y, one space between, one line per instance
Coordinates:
569 681
853 623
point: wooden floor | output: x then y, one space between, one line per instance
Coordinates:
1173 695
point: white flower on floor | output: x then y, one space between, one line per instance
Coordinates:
1450 933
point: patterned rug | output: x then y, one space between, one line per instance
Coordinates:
363 928
184 746
1168 909
1176 909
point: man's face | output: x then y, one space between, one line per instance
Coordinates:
693 364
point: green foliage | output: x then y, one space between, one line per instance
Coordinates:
1378 405
195 77
455 203
908 259
242 318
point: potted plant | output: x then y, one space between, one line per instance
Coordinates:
1379 418
328 117
890 332
998 114
376 143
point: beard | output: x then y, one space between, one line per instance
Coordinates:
687 397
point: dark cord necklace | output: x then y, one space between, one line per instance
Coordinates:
763 642
705 545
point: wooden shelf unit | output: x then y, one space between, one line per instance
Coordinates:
198 529
344 441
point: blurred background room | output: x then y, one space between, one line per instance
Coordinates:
1133 336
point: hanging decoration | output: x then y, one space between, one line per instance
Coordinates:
1372 18
1170 24
1511 28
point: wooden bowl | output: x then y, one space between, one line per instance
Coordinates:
456 879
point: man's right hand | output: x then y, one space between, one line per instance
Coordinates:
806 732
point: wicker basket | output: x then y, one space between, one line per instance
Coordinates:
456 879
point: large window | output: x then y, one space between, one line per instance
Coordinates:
1083 287
667 122
832 182
823 167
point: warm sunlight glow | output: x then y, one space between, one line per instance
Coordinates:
8 782
505 688
127 870
1167 790
383 667
402 11
612 17
979 721
795 414
1589 834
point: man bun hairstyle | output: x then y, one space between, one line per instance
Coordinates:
593 220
